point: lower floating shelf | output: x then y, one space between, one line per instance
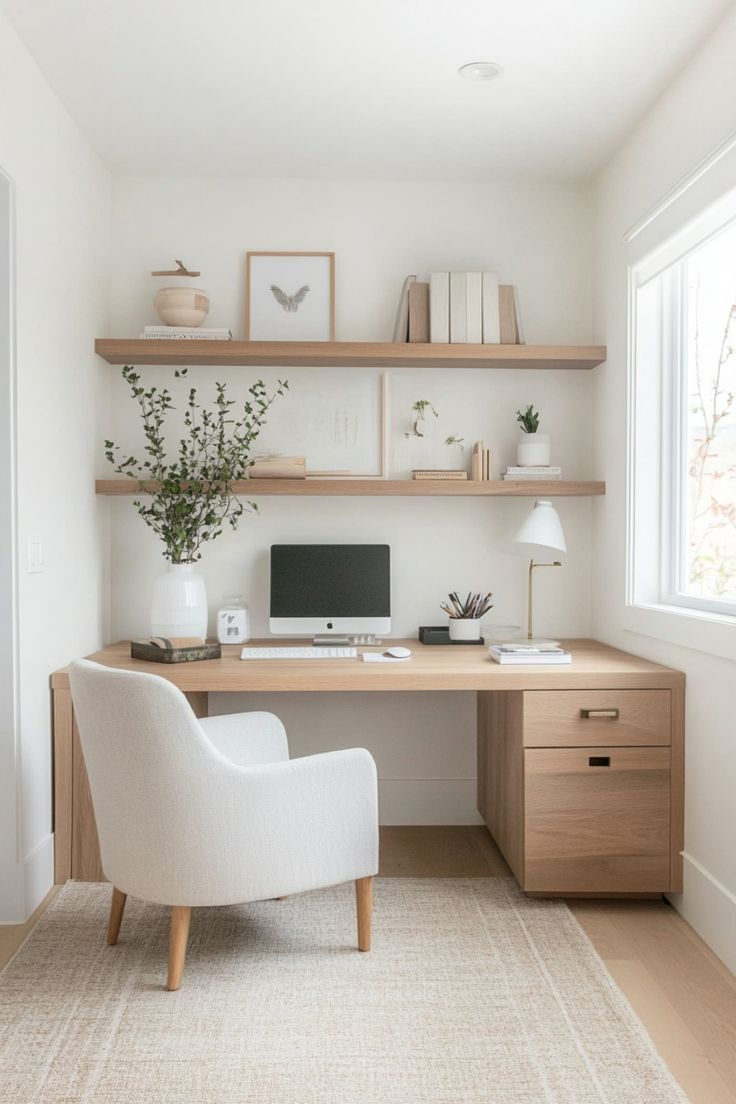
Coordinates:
412 488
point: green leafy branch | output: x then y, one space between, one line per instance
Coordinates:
191 496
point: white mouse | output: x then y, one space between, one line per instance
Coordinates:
398 652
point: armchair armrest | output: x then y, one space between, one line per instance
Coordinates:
293 826
249 739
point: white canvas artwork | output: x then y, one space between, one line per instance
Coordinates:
334 420
290 296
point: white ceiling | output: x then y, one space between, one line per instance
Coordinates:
359 88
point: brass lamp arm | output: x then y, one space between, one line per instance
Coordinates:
532 565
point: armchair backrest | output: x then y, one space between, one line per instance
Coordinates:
155 779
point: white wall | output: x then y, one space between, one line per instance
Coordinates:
63 203
696 114
536 237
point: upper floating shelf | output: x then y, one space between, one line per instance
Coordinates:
414 488
346 354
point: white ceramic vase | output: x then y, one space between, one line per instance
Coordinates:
179 606
464 628
533 450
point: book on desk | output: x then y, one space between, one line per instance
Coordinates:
521 653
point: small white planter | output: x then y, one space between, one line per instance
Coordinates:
179 606
533 450
464 628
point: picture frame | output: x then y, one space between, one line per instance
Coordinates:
289 296
341 433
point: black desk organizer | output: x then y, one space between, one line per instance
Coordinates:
440 634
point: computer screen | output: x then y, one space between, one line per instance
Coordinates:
338 588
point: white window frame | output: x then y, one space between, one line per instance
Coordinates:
655 605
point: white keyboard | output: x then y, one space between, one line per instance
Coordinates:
299 653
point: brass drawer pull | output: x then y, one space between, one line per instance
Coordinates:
585 714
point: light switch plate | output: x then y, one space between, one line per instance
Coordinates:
36 561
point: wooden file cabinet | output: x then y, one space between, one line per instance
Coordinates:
576 787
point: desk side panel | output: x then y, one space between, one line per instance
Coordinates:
501 772
62 712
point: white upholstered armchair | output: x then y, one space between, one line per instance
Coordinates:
213 812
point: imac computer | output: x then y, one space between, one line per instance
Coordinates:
330 590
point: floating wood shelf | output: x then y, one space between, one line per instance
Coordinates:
416 488
346 354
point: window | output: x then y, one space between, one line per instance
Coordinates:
682 508
702 568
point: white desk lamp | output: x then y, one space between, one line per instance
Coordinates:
540 535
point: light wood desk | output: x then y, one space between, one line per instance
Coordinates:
580 768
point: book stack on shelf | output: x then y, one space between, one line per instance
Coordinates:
439 473
182 333
480 462
549 471
465 308
278 467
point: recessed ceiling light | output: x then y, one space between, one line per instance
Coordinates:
480 71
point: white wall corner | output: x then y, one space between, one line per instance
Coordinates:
710 908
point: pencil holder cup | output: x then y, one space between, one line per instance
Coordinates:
464 628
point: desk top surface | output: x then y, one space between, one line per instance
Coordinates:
431 667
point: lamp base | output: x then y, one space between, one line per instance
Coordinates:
532 642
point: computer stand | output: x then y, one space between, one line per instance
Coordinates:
352 638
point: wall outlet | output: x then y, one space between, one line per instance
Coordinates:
36 561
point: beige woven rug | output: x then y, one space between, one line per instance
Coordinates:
472 995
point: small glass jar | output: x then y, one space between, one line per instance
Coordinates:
232 621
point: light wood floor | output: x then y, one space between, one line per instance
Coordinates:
683 994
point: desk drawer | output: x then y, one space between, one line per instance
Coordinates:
596 718
597 820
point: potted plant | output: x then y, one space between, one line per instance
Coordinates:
189 487
533 449
419 411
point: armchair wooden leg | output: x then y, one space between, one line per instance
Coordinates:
117 905
180 917
364 901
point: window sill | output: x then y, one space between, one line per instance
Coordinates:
697 630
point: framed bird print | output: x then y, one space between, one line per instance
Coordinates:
290 297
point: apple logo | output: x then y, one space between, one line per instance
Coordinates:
330 625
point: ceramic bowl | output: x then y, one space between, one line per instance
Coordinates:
182 306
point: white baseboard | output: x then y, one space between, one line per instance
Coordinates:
39 873
26 884
428 801
710 908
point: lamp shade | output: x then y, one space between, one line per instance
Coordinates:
540 534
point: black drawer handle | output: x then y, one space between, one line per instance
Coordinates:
586 714
599 760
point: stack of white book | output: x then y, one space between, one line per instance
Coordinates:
472 308
529 653
180 333
536 472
